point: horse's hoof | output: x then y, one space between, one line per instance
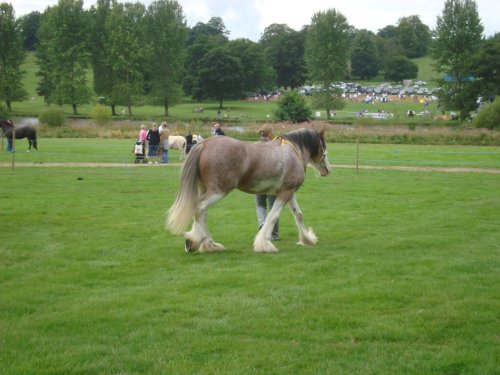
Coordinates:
187 246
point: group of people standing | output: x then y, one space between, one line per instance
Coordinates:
156 140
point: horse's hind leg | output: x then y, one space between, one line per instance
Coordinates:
199 237
306 236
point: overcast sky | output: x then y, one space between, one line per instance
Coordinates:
249 18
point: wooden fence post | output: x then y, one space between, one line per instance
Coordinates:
13 150
357 155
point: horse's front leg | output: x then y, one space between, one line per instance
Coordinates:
306 236
262 242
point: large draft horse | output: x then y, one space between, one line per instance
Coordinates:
218 165
22 132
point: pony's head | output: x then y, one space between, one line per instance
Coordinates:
6 125
313 142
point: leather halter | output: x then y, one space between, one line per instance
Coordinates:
283 141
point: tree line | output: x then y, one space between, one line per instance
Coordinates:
142 55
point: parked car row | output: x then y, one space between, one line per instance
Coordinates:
354 88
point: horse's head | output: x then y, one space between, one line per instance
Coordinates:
320 159
313 143
6 125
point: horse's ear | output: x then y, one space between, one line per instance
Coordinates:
322 133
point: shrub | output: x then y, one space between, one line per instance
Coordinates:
101 115
489 116
292 107
53 117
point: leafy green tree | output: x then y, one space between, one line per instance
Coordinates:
365 59
256 74
387 48
328 49
63 54
293 107
125 31
11 57
399 68
202 38
457 39
414 36
101 53
331 99
486 67
285 53
388 32
166 35
30 23
220 76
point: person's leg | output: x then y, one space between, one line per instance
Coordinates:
260 201
275 233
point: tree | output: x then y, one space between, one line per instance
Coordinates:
202 38
220 76
327 49
11 57
285 53
457 39
293 107
486 67
100 53
166 35
30 23
399 68
414 36
365 58
63 54
256 74
124 28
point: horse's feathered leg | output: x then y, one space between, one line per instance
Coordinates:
306 236
199 237
262 242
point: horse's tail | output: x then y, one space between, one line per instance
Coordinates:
182 211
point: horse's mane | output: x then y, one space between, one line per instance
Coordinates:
307 139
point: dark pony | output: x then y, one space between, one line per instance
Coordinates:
220 164
22 132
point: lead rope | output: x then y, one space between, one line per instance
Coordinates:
283 141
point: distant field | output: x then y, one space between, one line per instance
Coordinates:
234 110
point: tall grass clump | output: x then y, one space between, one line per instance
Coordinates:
293 107
100 115
489 116
53 117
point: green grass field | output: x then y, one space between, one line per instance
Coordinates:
95 150
404 279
